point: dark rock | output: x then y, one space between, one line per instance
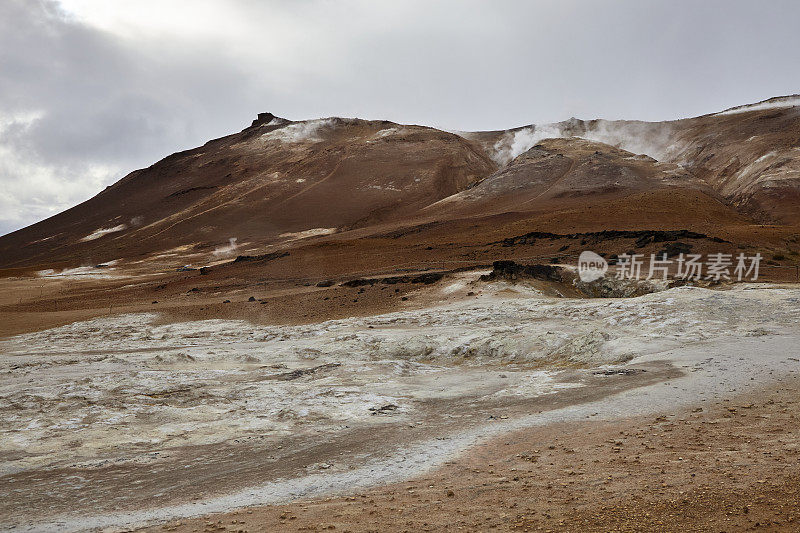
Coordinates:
263 118
619 372
192 189
673 249
300 372
425 279
264 257
385 409
641 237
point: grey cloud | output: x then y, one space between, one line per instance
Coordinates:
80 107
101 109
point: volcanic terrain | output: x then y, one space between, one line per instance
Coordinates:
389 315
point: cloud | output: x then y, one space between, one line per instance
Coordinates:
34 188
80 108
91 89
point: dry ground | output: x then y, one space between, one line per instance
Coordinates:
731 466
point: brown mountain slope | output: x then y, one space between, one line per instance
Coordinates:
749 155
563 172
281 185
266 184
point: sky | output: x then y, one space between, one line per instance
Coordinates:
93 89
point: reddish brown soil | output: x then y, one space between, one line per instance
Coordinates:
725 467
413 201
286 287
351 178
423 200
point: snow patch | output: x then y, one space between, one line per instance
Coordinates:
313 232
96 234
85 272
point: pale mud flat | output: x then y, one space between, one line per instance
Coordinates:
121 421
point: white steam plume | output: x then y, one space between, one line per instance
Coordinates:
650 138
226 249
772 103
299 131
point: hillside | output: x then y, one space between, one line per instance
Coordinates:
336 186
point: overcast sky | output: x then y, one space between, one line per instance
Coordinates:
92 89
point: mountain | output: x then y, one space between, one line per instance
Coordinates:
319 184
275 180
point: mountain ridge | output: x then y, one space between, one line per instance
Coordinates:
277 181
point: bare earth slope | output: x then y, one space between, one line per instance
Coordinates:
566 171
279 181
361 325
272 179
747 154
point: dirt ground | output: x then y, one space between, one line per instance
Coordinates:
259 231
727 466
731 466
